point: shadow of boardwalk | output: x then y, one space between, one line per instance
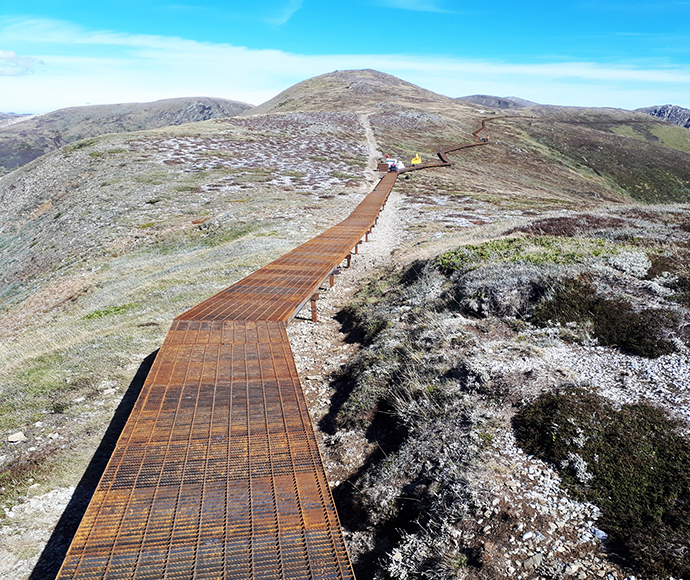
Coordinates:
53 554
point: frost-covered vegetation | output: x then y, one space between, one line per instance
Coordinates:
429 390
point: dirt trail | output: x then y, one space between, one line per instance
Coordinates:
320 348
373 146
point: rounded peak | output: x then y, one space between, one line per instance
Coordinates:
347 90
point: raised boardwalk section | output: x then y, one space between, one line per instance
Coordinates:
217 473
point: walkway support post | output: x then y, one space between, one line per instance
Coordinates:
314 315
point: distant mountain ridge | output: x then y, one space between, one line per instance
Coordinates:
11 118
23 140
670 113
497 102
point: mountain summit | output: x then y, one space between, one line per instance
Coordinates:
497 102
349 90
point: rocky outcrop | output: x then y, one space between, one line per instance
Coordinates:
670 113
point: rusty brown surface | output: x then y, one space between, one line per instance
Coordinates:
217 473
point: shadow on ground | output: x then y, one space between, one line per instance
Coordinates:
54 553
348 499
389 434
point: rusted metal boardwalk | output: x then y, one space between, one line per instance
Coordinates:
217 473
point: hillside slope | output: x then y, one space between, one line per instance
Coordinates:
105 241
11 118
38 134
359 90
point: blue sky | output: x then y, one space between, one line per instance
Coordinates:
59 53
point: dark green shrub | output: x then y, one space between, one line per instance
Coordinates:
682 288
571 226
634 464
363 319
573 301
614 322
360 324
662 264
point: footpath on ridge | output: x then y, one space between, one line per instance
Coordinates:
217 473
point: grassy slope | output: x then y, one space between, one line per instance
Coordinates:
107 240
646 160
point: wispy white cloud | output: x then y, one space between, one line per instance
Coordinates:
14 65
416 5
286 13
83 66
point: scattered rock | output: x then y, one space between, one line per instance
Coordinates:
18 437
571 569
533 562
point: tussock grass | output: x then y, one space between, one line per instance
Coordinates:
537 250
109 311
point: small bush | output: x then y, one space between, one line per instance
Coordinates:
360 325
634 464
571 226
682 288
360 319
83 144
614 322
341 175
503 289
662 264
109 311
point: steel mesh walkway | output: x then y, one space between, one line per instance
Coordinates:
217 473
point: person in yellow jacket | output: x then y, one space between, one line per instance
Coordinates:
416 160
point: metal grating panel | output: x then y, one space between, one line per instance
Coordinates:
217 473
